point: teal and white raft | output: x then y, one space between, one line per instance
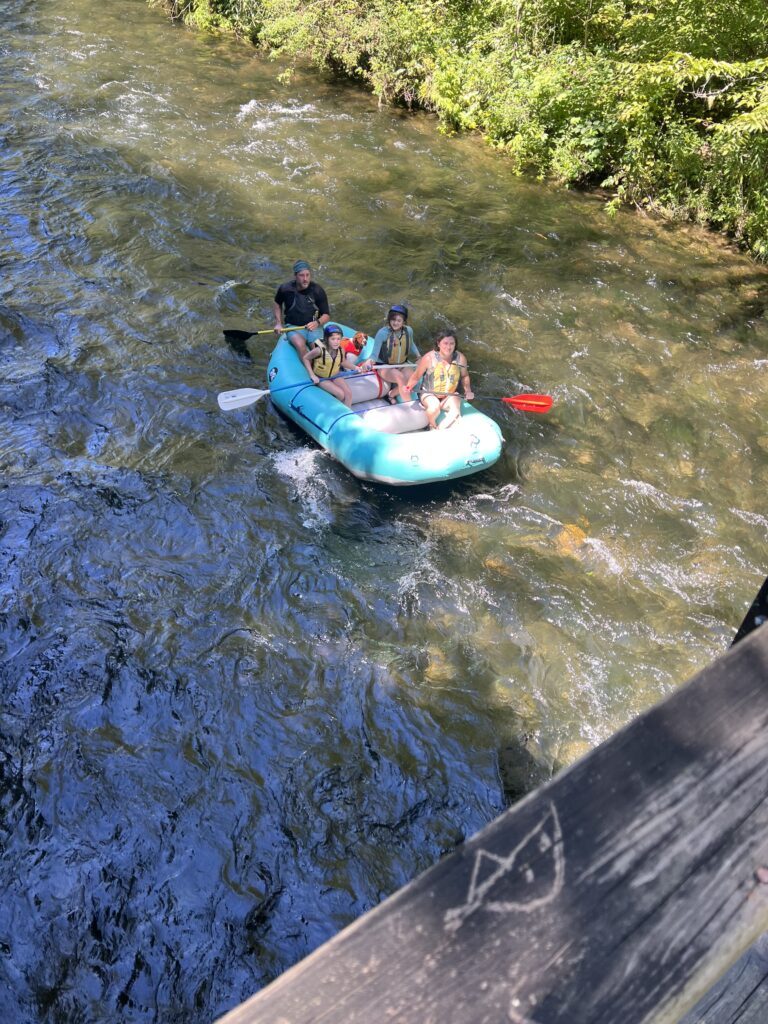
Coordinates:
390 444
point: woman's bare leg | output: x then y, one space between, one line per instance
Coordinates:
432 409
452 407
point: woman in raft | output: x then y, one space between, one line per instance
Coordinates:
442 370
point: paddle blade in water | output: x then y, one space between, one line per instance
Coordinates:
238 337
241 336
530 403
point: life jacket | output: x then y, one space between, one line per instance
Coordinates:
442 378
396 347
301 307
329 363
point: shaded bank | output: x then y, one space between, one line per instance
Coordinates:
664 105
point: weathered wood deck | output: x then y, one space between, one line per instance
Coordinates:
619 893
741 996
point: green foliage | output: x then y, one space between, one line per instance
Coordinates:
732 30
241 17
662 101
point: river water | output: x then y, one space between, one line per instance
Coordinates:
244 696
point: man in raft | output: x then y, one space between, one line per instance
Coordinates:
442 370
301 303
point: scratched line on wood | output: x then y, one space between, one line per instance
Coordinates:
489 869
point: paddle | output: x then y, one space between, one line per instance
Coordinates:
241 397
525 403
245 335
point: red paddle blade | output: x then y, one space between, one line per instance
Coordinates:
530 403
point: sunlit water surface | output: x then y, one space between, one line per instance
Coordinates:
244 696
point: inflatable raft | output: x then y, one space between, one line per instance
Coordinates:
390 444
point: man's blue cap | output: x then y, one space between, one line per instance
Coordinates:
300 265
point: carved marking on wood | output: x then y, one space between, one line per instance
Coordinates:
489 870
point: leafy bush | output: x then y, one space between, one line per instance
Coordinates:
662 101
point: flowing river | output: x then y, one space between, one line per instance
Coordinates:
244 696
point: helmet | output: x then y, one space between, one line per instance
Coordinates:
402 310
332 329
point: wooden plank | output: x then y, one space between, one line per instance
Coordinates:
741 996
619 892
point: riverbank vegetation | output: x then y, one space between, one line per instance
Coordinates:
662 102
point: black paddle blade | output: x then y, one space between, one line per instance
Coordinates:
238 335
236 341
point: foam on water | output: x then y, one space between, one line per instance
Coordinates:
304 468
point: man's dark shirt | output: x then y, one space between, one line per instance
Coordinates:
300 307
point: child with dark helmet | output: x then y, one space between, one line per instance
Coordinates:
393 345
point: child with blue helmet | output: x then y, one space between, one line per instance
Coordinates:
325 360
